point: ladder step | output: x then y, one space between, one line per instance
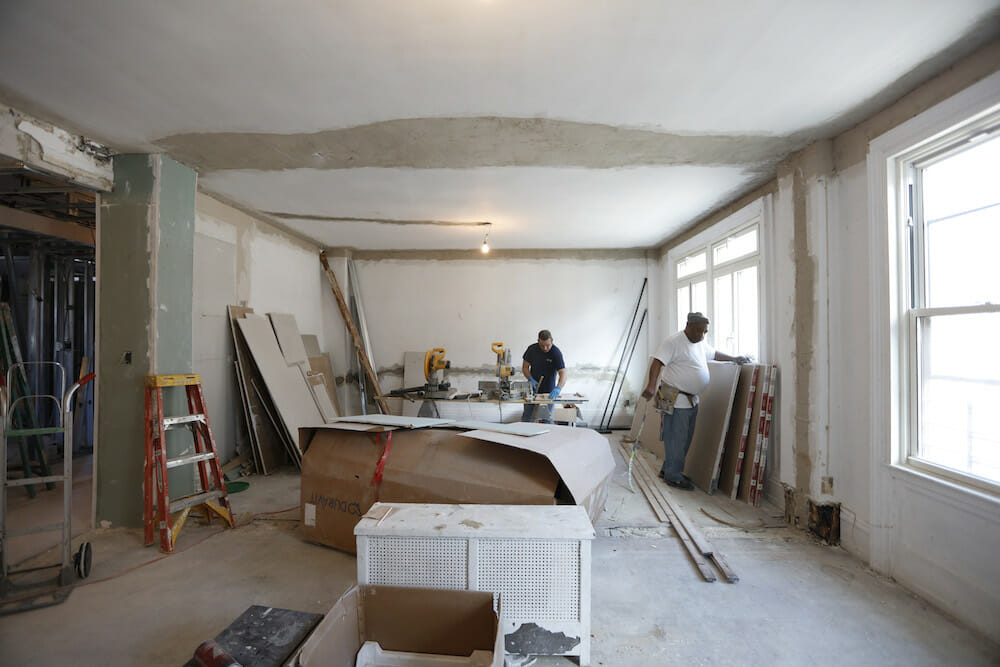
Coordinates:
196 499
170 422
190 458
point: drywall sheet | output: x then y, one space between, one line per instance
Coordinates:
413 376
714 407
522 429
755 438
311 344
268 440
289 340
320 363
395 420
285 384
739 427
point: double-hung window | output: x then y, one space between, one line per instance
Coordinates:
949 295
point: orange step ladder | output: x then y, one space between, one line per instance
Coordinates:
212 498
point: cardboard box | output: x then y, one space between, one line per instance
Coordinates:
442 465
413 620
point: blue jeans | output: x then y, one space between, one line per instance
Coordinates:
676 431
533 412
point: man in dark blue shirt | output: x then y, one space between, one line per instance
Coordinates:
543 366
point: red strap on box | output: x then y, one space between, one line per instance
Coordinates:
380 466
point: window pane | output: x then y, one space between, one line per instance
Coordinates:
747 313
961 202
683 305
736 246
962 182
736 313
692 264
723 325
959 393
699 298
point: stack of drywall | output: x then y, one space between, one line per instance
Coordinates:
274 370
729 447
741 473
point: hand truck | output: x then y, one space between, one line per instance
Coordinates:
15 598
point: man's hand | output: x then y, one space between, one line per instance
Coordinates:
647 393
534 384
554 394
743 359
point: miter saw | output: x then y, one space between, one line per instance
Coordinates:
504 387
436 386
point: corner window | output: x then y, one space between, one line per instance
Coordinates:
949 227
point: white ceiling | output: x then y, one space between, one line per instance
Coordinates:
394 124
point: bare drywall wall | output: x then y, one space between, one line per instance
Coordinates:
465 305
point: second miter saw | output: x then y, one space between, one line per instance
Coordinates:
504 387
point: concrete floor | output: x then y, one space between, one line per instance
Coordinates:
797 602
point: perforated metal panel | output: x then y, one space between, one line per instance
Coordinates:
538 580
423 562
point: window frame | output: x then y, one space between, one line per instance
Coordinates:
897 292
757 213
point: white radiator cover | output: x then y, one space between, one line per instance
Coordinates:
536 557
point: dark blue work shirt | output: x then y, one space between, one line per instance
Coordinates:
544 366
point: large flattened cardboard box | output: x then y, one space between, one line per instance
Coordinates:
406 620
443 465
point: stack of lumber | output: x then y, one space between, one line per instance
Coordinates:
282 385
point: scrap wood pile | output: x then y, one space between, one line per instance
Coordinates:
285 383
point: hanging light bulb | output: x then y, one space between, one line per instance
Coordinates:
486 246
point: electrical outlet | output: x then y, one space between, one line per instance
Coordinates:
826 485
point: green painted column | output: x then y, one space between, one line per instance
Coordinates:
145 251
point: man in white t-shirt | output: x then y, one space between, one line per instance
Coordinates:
681 362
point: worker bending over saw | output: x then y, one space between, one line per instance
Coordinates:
543 366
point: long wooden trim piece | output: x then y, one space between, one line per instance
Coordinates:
355 336
681 523
645 477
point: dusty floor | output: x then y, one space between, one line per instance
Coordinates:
797 602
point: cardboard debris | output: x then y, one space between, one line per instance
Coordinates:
441 465
413 620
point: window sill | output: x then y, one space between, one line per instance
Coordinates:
960 496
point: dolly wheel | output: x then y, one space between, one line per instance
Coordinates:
83 559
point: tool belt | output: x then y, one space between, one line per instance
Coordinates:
666 396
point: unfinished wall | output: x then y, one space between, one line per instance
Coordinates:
240 260
418 301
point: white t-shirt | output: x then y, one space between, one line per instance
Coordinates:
685 366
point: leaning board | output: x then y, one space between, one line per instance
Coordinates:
714 407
